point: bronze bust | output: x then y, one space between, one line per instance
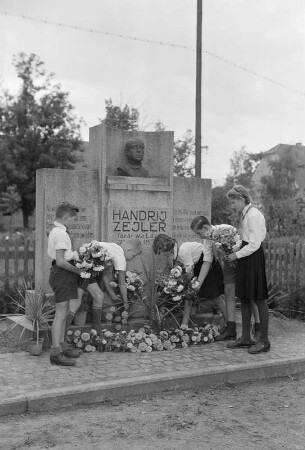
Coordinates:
134 154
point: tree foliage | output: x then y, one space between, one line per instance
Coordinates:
278 195
121 117
184 155
242 167
37 130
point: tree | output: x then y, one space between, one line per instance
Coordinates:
242 167
37 130
278 195
184 155
220 210
123 118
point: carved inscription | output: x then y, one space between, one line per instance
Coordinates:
136 223
80 231
181 223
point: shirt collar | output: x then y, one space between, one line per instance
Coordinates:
60 225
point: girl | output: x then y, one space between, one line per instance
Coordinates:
198 261
251 283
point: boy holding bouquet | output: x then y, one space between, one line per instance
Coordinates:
63 281
228 239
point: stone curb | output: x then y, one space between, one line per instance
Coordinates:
92 393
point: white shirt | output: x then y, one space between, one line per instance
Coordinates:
117 255
189 253
253 230
60 240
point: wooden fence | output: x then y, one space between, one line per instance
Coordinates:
17 261
285 262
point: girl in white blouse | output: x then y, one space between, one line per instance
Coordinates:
199 261
251 283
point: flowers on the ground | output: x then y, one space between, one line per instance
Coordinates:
143 340
88 342
93 259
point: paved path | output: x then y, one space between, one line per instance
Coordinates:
29 383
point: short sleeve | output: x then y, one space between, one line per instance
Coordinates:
60 240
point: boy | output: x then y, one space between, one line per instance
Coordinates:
202 227
63 281
119 255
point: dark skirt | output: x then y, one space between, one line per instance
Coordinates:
212 286
251 281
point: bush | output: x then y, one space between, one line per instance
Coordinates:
9 294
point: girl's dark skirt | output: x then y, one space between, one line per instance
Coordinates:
251 281
212 286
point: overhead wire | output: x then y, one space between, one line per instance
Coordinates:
155 42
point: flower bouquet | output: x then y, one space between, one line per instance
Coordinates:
227 240
173 290
93 259
135 286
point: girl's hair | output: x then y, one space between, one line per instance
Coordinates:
238 192
199 222
163 243
66 208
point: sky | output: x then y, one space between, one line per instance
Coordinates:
238 108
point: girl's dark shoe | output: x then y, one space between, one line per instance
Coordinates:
259 347
62 360
240 344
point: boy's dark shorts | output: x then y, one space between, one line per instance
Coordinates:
229 273
63 283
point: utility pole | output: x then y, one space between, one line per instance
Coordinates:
198 91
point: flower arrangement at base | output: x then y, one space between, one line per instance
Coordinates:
143 340
117 315
88 342
93 259
227 240
134 284
172 291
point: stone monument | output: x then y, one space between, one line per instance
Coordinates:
114 207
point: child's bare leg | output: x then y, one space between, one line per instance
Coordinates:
74 304
187 312
97 307
219 301
58 326
230 330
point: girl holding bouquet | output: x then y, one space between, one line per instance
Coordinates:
227 239
251 283
199 262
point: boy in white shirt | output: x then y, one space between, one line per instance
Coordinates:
63 281
119 255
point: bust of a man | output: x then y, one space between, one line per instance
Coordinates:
134 154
